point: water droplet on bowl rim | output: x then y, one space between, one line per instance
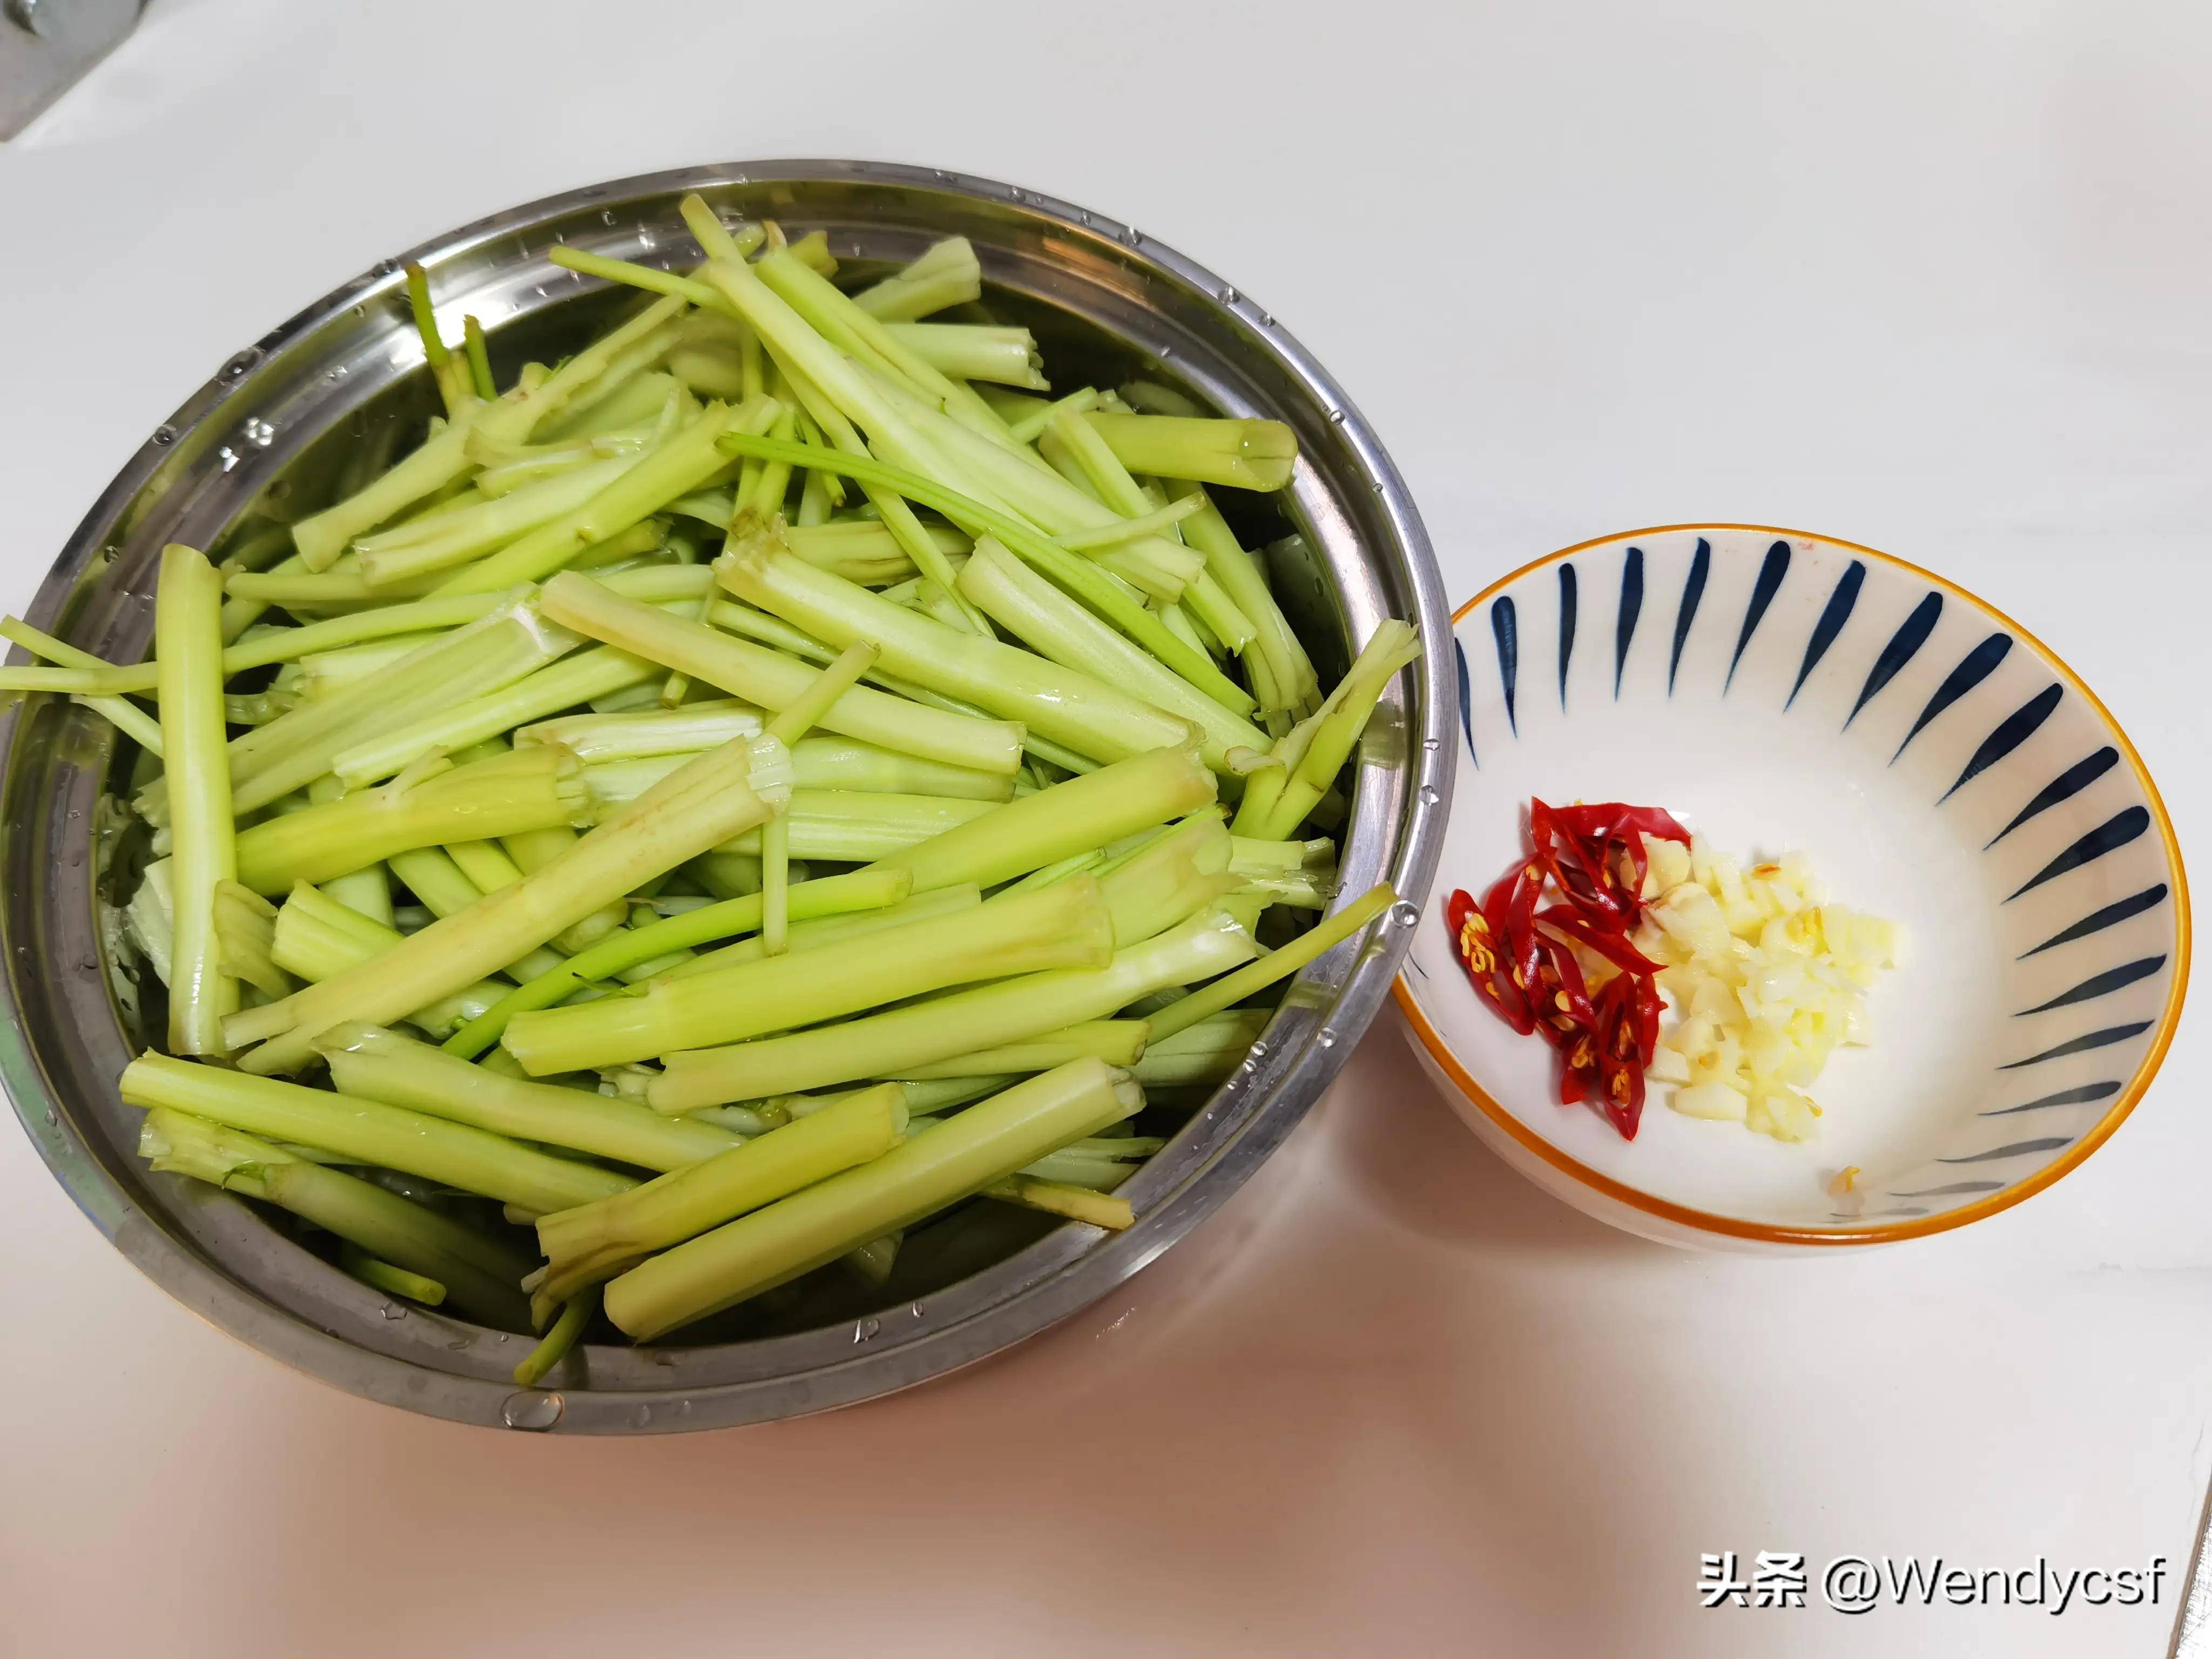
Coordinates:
865 1328
1405 913
165 435
1326 1038
1430 795
532 1409
606 215
393 1311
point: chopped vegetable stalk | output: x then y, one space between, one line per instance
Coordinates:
382 1275
1087 714
682 462
1247 454
1075 1203
567 1330
889 1044
947 275
370 1063
594 1242
699 806
984 1144
1143 523
1279 965
1062 927
531 789
1079 574
451 375
422 546
1116 1041
970 351
830 930
857 825
445 457
769 680
293 751
1072 817
456 1154
604 739
479 355
859 890
579 678
246 933
480 1275
1316 750
1051 623
188 643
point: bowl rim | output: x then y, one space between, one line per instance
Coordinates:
1243 1125
1732 1227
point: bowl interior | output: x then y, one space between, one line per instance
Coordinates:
292 421
1780 692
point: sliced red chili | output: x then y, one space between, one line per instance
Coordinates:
1474 938
1613 947
1521 957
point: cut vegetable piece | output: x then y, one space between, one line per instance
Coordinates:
188 644
1089 716
1245 453
1062 927
370 1063
984 1143
887 1044
471 1159
594 1242
770 680
480 1275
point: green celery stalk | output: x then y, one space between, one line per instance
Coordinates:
947 275
1246 454
637 343
573 680
1116 1041
456 1154
1279 965
769 680
1071 817
1075 1203
378 1274
294 749
683 462
594 1242
421 547
1079 574
188 644
698 807
370 1063
1089 716
1053 625
854 826
567 1330
986 1143
889 1044
1329 736
971 351
808 935
530 789
858 891
1062 927
1204 1055
608 739
482 1276
441 458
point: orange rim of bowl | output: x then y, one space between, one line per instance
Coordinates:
1921 1227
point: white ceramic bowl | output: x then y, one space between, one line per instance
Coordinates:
1780 691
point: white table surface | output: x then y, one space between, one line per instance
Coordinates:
1933 277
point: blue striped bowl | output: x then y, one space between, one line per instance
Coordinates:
1785 692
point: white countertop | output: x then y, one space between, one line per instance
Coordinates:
1931 277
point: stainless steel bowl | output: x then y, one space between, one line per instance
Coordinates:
269 438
